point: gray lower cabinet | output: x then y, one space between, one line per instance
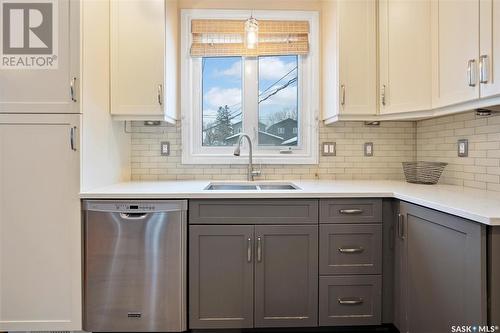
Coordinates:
286 276
350 300
221 273
493 275
440 271
243 276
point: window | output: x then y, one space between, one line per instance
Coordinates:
272 98
221 100
278 99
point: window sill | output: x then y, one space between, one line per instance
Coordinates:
257 159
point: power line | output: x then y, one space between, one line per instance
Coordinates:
279 89
281 78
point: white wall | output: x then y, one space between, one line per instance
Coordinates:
105 145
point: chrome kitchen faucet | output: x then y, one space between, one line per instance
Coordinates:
251 172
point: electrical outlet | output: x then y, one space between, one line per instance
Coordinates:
329 149
369 149
165 148
463 148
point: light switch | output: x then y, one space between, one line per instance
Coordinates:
329 149
463 148
165 148
369 149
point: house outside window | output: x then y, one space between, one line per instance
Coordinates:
271 97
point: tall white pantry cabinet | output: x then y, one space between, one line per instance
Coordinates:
40 231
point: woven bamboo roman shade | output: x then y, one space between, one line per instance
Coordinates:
225 38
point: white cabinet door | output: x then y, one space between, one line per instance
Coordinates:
357 56
455 51
405 55
44 90
40 229
489 48
137 58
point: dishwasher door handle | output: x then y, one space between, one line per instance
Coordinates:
133 216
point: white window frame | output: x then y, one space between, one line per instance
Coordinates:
193 152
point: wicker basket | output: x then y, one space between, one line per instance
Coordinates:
423 172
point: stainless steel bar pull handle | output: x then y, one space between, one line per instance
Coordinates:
350 300
72 134
160 94
484 70
342 98
133 216
259 249
400 226
249 249
383 95
351 249
351 211
72 85
471 72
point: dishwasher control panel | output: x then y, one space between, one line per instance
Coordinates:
136 206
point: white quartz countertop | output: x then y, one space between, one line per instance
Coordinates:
477 205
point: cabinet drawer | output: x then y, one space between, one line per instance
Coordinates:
350 300
351 211
288 211
350 249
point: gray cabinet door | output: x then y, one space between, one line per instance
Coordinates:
220 276
443 270
286 276
44 90
350 249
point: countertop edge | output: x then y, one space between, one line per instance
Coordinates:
418 199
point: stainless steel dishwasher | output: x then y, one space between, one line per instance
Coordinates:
135 266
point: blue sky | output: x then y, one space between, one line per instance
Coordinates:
222 85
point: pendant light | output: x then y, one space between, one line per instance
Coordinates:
251 33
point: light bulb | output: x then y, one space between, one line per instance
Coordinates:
251 33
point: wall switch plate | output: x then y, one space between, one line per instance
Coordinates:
165 148
463 148
329 149
369 149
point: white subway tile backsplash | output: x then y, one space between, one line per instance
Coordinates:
435 142
393 144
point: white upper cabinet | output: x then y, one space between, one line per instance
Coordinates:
42 72
357 56
40 223
455 51
405 56
489 55
138 40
